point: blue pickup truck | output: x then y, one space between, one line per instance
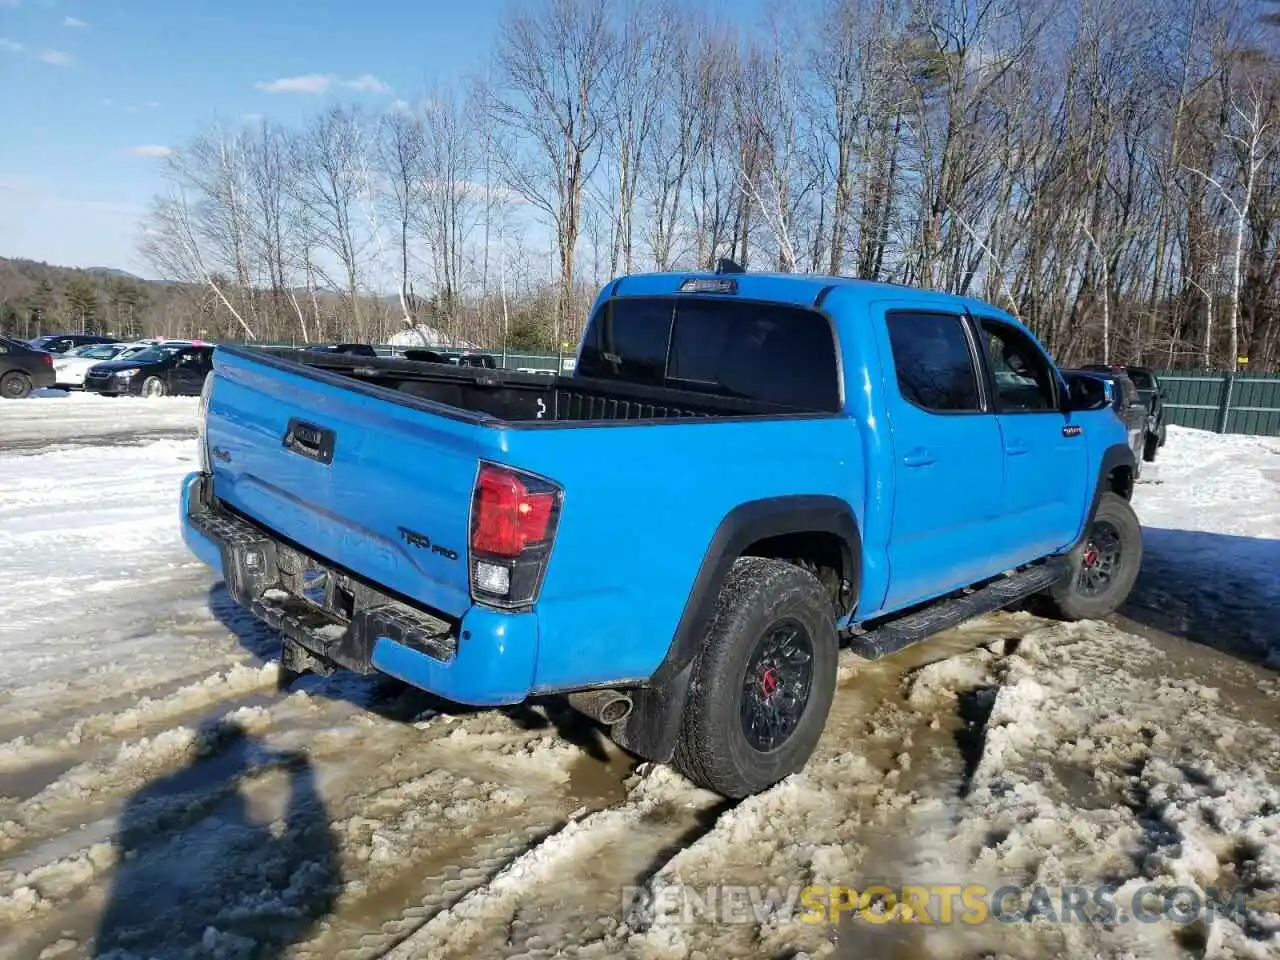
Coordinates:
744 472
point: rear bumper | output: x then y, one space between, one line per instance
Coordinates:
486 658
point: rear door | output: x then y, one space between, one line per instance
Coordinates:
1045 454
189 369
947 455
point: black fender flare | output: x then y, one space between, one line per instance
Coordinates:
1116 455
654 723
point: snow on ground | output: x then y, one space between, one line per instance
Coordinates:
160 797
1210 509
58 416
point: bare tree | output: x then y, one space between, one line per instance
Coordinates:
553 96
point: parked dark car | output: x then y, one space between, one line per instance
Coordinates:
1125 400
468 359
23 368
62 342
355 349
166 369
1152 397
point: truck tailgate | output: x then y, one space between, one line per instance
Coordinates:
378 487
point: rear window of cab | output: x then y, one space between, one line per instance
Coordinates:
768 352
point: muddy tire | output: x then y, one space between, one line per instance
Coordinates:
15 385
763 683
1103 567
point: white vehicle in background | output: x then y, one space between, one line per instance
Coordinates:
70 368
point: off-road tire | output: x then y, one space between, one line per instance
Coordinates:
1164 433
15 385
1150 444
759 598
1069 599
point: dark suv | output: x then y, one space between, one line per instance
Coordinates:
1152 397
23 368
62 342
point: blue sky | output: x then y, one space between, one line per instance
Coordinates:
90 88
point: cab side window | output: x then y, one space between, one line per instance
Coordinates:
934 364
1023 380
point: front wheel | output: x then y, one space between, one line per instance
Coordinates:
14 385
1104 567
154 387
763 683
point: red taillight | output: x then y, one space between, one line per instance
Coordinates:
508 516
47 359
513 522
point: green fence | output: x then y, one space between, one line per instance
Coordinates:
1223 402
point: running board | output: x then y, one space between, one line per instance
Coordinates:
894 635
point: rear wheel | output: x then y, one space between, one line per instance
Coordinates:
763 684
154 387
15 385
1164 434
1104 567
1150 444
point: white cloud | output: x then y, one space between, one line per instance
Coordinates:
367 83
307 83
152 104
74 23
56 57
399 106
150 150
11 46
107 101
251 117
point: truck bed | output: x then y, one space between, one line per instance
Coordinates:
522 399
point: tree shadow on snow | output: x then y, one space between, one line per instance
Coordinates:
393 699
231 855
1214 589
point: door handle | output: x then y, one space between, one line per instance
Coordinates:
919 457
1016 448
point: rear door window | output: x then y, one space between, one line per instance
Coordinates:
933 361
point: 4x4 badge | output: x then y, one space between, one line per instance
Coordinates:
1072 430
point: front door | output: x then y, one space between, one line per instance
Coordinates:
947 456
1045 456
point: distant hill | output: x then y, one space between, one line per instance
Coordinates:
114 272
38 298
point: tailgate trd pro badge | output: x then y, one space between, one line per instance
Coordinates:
420 540
1072 430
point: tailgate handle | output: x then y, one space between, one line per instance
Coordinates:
309 440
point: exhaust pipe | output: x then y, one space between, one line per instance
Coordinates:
604 706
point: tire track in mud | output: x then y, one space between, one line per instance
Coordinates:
582 890
420 812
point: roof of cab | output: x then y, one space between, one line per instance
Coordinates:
800 289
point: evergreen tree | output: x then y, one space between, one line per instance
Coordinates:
82 304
